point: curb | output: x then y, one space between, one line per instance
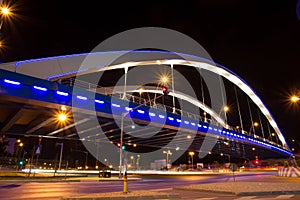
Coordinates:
140 194
124 197
264 193
267 193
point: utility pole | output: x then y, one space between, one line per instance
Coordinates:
60 156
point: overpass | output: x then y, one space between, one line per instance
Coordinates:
33 91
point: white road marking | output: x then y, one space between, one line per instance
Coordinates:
246 198
284 196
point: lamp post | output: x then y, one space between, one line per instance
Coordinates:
255 124
121 133
5 12
163 81
60 155
168 153
192 157
225 109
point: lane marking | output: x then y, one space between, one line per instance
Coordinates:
245 198
284 196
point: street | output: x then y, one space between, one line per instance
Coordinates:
51 190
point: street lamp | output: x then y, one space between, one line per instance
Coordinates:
60 155
121 133
224 109
294 98
168 153
163 81
255 124
5 12
192 156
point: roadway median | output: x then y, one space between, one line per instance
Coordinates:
246 188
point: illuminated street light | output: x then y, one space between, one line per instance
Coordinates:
192 156
294 99
5 11
63 108
62 117
255 124
226 109
168 153
164 79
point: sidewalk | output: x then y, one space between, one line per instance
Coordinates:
246 188
139 194
276 186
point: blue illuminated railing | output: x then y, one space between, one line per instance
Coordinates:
21 86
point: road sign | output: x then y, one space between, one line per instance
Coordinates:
38 149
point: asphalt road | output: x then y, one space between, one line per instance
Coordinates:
49 190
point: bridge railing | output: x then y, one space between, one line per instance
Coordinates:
119 94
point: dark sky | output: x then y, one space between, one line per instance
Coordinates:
257 39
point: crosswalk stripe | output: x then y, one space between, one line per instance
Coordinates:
162 189
284 196
245 198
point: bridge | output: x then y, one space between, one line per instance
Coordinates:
117 112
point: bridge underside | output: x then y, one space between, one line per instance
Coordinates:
28 120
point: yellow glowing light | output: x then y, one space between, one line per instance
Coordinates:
164 79
191 153
5 11
62 117
226 108
141 90
21 144
255 123
294 98
63 108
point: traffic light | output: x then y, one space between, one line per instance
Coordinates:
256 161
123 147
165 90
118 144
21 162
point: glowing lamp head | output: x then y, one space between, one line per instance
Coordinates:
5 11
62 117
294 98
164 79
226 108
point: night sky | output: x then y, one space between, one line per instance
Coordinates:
258 40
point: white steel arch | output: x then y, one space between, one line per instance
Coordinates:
66 66
212 68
